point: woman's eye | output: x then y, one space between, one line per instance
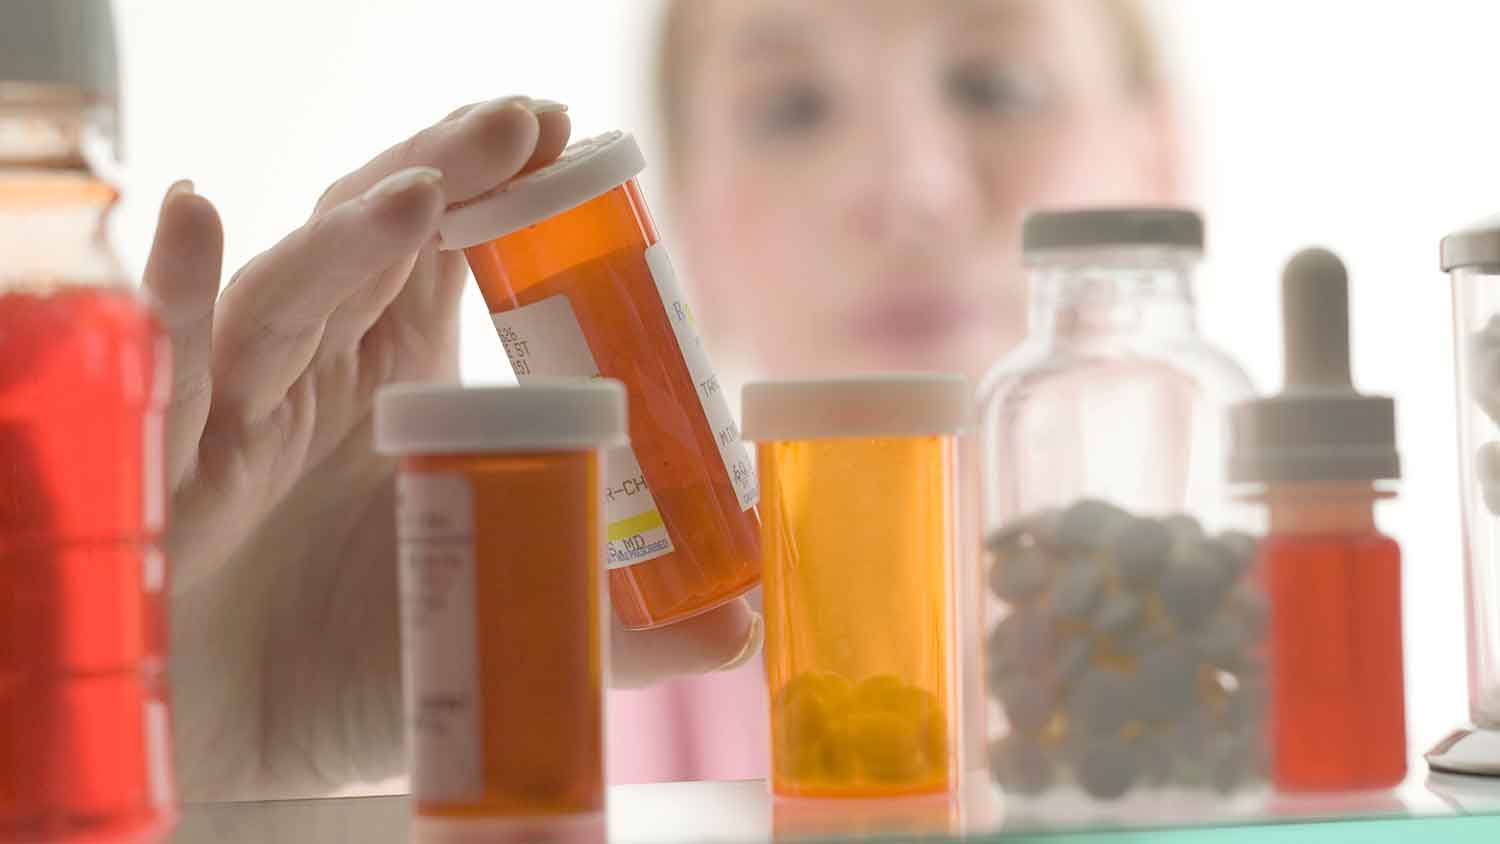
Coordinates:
987 89
791 110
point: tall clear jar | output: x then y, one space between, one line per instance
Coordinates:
84 382
1472 258
1123 648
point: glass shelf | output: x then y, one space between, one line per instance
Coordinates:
1428 807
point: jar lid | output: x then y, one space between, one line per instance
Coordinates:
1475 245
882 405
1318 428
69 45
587 169
1048 230
544 414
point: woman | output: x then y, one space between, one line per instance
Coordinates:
848 179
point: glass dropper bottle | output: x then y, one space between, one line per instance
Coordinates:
1319 455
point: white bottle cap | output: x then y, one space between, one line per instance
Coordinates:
1318 428
586 169
885 405
546 414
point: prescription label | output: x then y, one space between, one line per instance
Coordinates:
435 513
544 339
710 392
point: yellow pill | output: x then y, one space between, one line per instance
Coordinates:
887 746
801 719
801 762
880 693
838 753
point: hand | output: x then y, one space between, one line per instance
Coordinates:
285 660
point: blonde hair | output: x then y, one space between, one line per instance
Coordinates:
1143 62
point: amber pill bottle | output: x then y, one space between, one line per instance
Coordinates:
502 604
579 284
860 519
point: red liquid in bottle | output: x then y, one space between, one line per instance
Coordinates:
84 741
1338 716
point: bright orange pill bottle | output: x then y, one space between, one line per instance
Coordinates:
502 604
859 531
579 284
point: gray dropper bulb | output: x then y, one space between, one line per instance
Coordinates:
1318 428
1315 319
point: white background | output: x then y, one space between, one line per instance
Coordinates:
1366 127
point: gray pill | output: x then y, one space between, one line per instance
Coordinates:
1091 524
1028 704
1222 642
1184 529
1185 741
1077 593
1101 702
1192 588
1249 605
1168 681
1024 641
1155 760
1229 762
1141 552
1241 547
1120 614
1020 574
1020 764
1074 658
1246 705
1106 767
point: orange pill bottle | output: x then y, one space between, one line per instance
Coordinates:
502 604
579 284
860 510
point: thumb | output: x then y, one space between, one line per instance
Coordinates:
718 640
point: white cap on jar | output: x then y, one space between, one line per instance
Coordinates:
587 169
544 414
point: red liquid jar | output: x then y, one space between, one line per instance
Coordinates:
84 382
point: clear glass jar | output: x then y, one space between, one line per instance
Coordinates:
84 382
1472 257
1125 622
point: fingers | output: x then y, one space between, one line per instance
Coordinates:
182 278
477 148
720 640
272 316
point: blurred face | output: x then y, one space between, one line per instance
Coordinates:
854 172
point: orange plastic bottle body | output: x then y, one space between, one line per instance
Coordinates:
502 628
859 540
603 259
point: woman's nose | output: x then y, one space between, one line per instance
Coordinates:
916 179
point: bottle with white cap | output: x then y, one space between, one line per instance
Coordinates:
84 730
1125 615
579 284
1319 454
1471 256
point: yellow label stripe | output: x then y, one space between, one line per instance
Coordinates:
639 523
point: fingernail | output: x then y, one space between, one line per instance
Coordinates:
403 181
546 106
753 640
181 186
530 104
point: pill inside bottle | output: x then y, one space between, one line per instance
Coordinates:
502 604
578 283
860 479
